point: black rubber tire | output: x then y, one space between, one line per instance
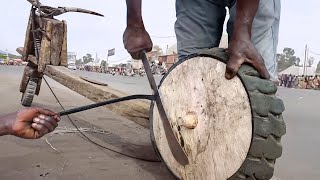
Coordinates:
268 123
28 95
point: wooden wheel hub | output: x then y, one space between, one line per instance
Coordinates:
211 116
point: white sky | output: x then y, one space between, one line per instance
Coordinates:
90 34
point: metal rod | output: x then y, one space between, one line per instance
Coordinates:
92 106
176 149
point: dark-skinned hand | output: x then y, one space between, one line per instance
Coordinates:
242 50
136 40
33 123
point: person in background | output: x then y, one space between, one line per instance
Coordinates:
301 82
290 81
285 80
296 82
31 123
307 82
317 82
282 79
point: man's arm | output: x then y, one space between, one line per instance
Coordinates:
241 49
4 124
134 17
135 38
31 123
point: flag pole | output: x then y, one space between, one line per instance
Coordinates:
107 63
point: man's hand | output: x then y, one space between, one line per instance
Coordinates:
136 40
32 123
241 50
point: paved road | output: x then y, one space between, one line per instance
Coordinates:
129 84
78 159
301 159
301 144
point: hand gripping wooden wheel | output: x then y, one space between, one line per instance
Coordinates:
229 129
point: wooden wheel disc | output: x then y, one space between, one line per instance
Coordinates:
211 117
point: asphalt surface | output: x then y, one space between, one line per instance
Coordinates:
301 144
129 84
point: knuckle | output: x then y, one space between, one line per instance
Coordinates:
51 128
40 126
231 69
41 121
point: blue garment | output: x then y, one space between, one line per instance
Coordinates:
199 26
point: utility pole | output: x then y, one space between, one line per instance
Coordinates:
167 49
7 56
305 60
96 61
107 62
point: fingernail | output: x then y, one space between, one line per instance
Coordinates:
36 119
42 116
57 117
228 76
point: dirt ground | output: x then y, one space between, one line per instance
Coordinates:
77 158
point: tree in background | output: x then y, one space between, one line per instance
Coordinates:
11 56
157 49
287 59
103 63
310 61
2 56
79 61
155 53
87 58
318 68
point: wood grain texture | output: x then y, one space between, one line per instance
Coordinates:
45 52
219 144
30 58
20 50
57 37
64 51
28 44
93 81
136 110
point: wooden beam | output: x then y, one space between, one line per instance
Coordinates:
20 50
28 44
64 51
45 52
136 111
57 37
30 58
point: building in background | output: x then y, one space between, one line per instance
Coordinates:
168 59
136 64
171 55
72 57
